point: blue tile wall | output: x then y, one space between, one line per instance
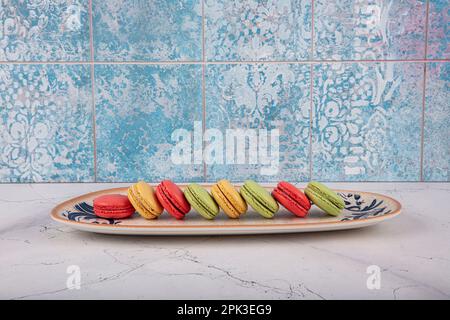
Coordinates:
439 29
437 123
358 30
367 121
157 30
258 30
44 30
46 123
92 91
137 109
264 96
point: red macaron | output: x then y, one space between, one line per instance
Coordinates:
172 199
292 199
113 206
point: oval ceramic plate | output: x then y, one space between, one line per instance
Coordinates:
362 209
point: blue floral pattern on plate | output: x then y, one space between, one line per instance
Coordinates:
45 123
437 123
258 30
44 30
357 207
380 29
84 212
155 30
137 109
263 96
366 121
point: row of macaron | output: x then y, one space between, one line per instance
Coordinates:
150 202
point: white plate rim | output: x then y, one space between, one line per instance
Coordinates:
219 228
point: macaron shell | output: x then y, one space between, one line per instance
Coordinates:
175 195
115 206
223 202
167 204
113 214
294 193
201 201
328 193
323 203
255 203
229 199
289 203
325 198
112 201
261 196
148 196
139 208
143 199
292 198
230 192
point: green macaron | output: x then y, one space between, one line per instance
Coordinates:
259 198
325 198
201 201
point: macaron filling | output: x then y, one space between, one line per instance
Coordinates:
172 200
255 197
198 205
229 197
223 201
294 205
326 197
169 203
201 206
293 197
138 201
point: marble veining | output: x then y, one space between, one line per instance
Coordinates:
409 250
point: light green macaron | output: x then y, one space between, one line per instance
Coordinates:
259 199
325 198
201 201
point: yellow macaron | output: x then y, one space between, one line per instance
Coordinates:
143 199
229 199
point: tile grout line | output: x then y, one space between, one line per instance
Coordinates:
427 12
424 82
422 131
311 102
312 30
222 62
203 89
210 183
311 84
204 63
203 32
94 128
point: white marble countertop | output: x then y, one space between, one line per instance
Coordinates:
412 251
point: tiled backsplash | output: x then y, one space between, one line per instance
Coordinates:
92 90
